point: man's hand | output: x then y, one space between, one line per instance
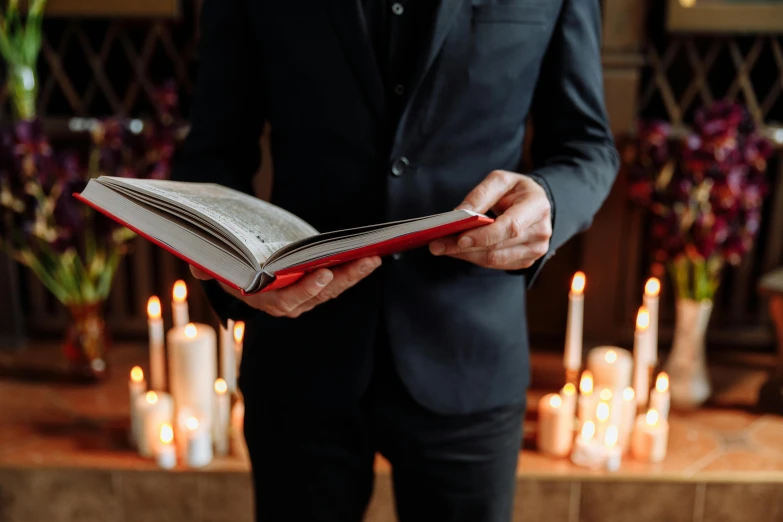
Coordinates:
518 237
307 293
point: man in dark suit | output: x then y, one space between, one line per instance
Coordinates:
385 110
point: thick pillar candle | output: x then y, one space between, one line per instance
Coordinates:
660 397
157 347
222 417
650 437
228 359
155 409
137 387
572 358
641 375
611 367
193 365
179 304
652 290
555 426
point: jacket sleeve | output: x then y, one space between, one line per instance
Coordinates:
227 118
573 151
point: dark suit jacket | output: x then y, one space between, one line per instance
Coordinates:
457 332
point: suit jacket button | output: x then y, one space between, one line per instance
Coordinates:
397 256
399 166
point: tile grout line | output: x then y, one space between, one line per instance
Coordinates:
574 501
702 462
699 502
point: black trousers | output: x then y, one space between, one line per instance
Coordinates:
318 465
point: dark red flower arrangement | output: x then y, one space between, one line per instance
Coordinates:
705 193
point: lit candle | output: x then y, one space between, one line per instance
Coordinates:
586 401
627 418
157 348
555 427
239 337
587 452
198 451
660 398
238 445
166 453
228 362
641 375
155 409
193 368
136 388
650 437
652 290
601 418
614 454
611 367
221 419
568 394
572 358
179 304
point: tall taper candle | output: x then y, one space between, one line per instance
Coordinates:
228 356
239 340
652 290
612 367
179 304
193 364
555 426
136 388
586 400
660 397
222 417
165 452
627 417
641 376
572 358
157 347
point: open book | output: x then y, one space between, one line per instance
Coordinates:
248 243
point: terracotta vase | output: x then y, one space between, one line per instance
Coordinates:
687 362
86 343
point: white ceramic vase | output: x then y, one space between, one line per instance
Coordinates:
687 362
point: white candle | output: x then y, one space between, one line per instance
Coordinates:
136 388
568 394
238 445
586 401
611 367
198 451
601 419
652 290
239 339
228 361
572 358
157 348
650 437
627 418
221 418
179 304
614 454
660 397
155 409
641 375
193 366
165 452
555 427
587 452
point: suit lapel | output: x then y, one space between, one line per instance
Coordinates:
347 17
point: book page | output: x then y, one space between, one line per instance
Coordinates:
262 227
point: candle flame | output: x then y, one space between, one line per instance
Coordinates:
588 430
190 331
662 382
611 356
605 395
568 390
239 331
153 307
578 283
192 423
151 397
137 374
642 319
555 401
628 394
653 287
602 412
180 291
611 437
651 417
166 433
221 386
586 383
